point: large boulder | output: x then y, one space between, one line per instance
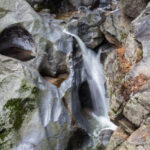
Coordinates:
86 26
18 101
51 43
33 113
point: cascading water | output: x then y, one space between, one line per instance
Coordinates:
96 78
96 81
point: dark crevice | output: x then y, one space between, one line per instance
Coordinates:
78 140
85 96
16 42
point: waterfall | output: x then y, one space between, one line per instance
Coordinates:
96 81
95 78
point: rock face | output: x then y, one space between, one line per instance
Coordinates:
18 104
32 112
51 43
115 27
35 52
133 8
127 75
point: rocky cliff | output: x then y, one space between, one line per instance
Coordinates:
127 75
45 99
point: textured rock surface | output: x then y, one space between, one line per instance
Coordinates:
127 75
133 8
49 39
115 27
139 140
86 26
117 139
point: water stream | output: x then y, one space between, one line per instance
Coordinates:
96 81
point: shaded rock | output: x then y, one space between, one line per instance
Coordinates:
133 8
85 96
78 143
16 42
105 136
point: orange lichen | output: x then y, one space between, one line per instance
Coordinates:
132 86
124 65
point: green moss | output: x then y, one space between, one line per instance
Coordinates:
123 36
114 111
25 86
18 108
3 134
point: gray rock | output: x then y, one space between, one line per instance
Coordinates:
117 139
87 28
141 29
139 140
138 106
133 8
115 27
49 38
133 52
77 3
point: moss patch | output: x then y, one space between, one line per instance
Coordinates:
18 108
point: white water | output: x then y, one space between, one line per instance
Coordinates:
96 81
96 78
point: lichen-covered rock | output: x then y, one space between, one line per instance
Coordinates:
114 78
139 140
137 108
133 52
133 8
29 105
117 139
18 94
